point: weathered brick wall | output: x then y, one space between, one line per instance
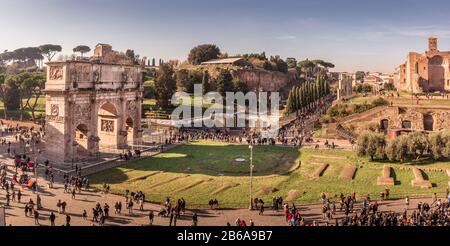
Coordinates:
396 115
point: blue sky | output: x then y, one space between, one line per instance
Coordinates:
355 35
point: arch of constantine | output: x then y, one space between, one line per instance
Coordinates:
91 106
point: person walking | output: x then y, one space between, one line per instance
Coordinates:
63 207
7 199
19 196
68 218
84 215
194 219
171 219
36 217
151 217
58 205
52 219
130 206
261 210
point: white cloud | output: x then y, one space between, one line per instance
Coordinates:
285 37
410 31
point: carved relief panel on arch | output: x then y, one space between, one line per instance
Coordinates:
56 73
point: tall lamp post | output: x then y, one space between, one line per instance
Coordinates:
251 175
35 174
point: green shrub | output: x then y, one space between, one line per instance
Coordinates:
380 102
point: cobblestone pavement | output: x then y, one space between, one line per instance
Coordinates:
87 199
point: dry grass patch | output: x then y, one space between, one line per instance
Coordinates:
328 157
385 178
293 195
290 168
266 190
224 188
419 180
319 171
198 182
143 177
180 176
348 172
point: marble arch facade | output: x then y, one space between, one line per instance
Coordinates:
76 94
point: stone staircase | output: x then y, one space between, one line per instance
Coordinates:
345 133
367 115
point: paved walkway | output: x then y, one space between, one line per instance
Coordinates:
87 200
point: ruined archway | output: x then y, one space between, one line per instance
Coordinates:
384 125
129 126
81 143
406 124
428 122
436 74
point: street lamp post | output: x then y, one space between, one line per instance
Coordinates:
35 166
251 176
35 174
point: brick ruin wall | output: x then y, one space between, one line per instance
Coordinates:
426 118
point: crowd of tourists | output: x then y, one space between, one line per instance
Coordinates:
29 138
296 131
366 212
343 210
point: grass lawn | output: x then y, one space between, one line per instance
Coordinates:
203 170
15 114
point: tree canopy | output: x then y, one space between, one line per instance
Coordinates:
291 62
202 53
82 49
307 93
22 54
21 89
224 82
50 50
165 84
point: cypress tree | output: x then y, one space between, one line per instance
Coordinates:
309 91
205 82
318 92
303 96
327 87
289 103
321 88
294 98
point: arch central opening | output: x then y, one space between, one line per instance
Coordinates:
108 126
82 141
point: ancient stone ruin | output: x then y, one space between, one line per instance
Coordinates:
91 107
385 178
